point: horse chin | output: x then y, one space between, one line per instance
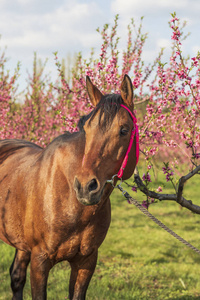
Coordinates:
90 201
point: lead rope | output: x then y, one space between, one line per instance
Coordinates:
128 197
158 222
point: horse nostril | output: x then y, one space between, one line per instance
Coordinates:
92 185
77 185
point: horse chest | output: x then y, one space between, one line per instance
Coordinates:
78 244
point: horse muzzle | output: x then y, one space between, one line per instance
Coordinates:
88 194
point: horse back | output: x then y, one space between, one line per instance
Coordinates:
16 158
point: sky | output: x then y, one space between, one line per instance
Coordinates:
68 27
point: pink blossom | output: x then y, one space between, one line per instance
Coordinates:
134 188
159 189
145 204
146 177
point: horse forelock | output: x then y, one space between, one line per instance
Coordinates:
107 108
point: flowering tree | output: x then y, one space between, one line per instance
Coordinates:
171 127
167 104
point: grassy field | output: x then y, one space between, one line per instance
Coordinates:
138 260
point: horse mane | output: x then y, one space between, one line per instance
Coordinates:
9 147
108 107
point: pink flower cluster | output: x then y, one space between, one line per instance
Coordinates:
146 177
168 171
146 203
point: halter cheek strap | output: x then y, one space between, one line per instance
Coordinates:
135 134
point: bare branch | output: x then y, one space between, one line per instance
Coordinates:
182 180
173 197
142 101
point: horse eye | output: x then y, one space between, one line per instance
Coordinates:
123 131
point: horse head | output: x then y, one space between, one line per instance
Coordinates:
107 129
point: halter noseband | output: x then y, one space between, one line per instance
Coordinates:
135 134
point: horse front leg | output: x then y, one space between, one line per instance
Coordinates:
82 270
18 273
39 271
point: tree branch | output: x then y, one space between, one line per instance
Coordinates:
173 197
141 101
182 181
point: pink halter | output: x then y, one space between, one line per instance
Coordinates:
135 134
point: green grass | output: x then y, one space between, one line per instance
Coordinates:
138 260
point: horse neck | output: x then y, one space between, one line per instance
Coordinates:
61 161
65 150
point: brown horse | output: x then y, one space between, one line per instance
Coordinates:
54 202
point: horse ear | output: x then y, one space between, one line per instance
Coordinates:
94 94
127 91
